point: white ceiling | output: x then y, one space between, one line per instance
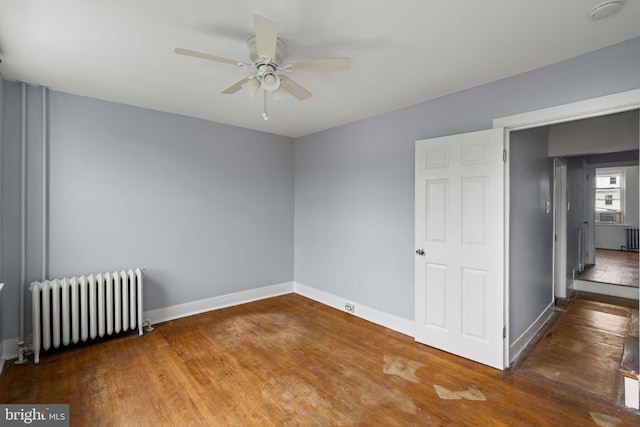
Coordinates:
402 52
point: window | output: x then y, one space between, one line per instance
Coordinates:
609 196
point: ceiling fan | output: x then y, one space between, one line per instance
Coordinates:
267 53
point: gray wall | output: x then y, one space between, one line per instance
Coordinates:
632 193
206 208
10 214
605 134
531 229
354 225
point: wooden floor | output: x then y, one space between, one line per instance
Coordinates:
583 347
291 361
613 267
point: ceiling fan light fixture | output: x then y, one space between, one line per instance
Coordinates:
270 81
251 87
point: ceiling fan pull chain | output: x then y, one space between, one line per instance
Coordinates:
264 114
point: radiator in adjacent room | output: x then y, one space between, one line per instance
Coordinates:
78 309
631 235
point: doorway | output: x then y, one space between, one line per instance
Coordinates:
612 268
521 335
565 181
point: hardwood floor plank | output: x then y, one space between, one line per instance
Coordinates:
290 361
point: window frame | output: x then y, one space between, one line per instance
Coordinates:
621 187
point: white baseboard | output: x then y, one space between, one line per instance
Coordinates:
8 350
606 289
631 394
523 340
398 324
204 305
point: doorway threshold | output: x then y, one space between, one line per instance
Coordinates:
606 289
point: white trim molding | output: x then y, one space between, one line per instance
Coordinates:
390 321
609 104
395 323
523 340
631 393
196 307
9 349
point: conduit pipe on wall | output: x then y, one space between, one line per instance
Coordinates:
45 186
23 205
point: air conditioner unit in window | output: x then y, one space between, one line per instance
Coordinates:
607 217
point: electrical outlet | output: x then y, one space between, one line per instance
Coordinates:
350 308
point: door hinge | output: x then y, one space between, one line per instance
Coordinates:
504 156
504 332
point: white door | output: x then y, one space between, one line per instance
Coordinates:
459 261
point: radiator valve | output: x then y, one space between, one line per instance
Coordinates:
23 349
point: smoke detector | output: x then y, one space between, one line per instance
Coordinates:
605 9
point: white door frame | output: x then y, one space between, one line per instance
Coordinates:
559 228
588 217
616 103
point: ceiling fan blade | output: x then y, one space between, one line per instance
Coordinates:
334 64
280 93
294 88
195 54
236 86
266 35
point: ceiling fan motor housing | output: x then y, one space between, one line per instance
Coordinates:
281 50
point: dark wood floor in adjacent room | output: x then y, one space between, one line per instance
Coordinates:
583 347
613 267
291 361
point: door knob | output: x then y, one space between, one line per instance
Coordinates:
420 252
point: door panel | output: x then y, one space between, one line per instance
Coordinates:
473 211
436 212
460 227
436 295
